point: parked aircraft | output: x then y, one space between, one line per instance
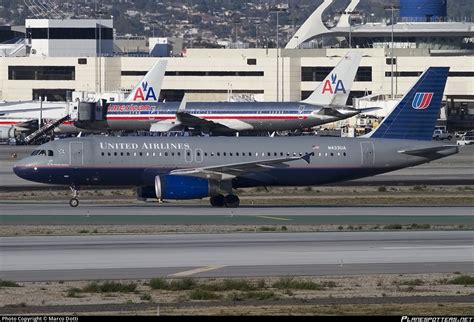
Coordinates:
197 167
16 117
326 104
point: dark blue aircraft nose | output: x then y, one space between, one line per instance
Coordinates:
22 170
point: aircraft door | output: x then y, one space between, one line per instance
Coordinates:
188 156
198 155
368 154
301 112
76 150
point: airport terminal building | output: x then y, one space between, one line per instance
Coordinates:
53 62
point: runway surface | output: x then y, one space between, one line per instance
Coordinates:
245 254
457 169
153 213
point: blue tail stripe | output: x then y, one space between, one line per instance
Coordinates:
419 99
407 121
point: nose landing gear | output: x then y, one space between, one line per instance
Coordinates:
74 202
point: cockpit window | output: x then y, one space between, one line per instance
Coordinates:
48 153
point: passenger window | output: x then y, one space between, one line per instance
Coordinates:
141 153
50 153
225 154
326 154
188 154
115 153
103 153
148 154
269 154
344 153
108 153
128 154
212 154
332 154
179 153
205 154
230 153
121 153
218 154
172 154
281 153
166 154
338 154
237 153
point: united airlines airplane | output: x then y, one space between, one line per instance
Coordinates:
143 112
199 167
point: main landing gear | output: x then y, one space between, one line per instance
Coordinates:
229 201
74 202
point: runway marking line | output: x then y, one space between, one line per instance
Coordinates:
197 270
274 218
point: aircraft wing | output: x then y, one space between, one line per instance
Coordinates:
189 120
426 151
229 171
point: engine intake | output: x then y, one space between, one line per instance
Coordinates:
7 132
184 187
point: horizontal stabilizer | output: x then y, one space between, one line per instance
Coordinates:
368 109
430 150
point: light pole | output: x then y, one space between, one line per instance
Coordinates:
350 13
392 8
277 9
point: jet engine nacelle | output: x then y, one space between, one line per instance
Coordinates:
184 187
7 132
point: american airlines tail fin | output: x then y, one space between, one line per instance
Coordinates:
414 117
148 89
335 88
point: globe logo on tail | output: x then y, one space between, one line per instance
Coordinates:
421 101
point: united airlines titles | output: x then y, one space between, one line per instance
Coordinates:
143 146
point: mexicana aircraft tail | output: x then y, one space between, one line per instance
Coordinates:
335 88
148 89
414 117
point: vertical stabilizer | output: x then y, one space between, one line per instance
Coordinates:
335 88
414 117
148 89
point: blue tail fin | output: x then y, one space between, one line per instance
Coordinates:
414 118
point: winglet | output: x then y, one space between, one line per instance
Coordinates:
335 88
148 89
182 106
307 157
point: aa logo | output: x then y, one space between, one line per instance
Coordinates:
421 101
144 93
333 85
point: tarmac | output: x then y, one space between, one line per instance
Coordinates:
41 258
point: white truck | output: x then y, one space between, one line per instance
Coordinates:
467 139
441 135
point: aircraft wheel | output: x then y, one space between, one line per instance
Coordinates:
232 201
74 202
217 201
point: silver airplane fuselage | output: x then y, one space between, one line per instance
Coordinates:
221 116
